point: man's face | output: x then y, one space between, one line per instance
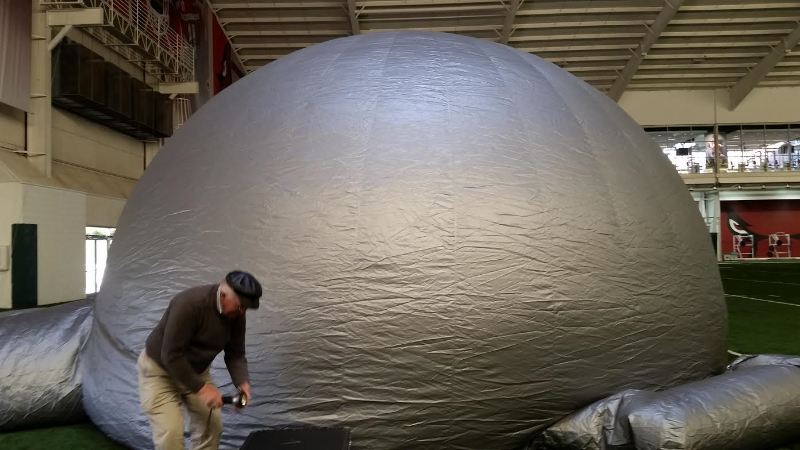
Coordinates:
231 305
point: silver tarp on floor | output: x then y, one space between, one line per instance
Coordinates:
601 426
749 409
752 408
40 365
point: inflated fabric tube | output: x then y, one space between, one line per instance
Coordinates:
750 409
40 365
764 360
602 425
459 242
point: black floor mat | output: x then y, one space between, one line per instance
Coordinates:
298 439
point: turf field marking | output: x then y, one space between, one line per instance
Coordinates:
761 281
762 300
734 353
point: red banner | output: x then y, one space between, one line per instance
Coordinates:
754 221
186 17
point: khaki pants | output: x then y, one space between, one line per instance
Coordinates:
162 399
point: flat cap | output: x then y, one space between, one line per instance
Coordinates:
246 287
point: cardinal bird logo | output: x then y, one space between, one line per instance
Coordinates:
741 227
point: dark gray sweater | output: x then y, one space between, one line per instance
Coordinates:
191 334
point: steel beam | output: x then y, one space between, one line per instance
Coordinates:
667 13
191 87
58 37
745 85
217 5
76 17
68 18
353 13
39 123
508 24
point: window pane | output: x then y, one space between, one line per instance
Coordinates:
90 267
90 289
90 262
102 253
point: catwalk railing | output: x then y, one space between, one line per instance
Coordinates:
141 35
751 148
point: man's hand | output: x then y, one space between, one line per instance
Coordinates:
211 396
245 387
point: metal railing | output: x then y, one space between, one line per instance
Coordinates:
141 35
741 148
181 111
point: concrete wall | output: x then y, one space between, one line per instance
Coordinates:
6 175
10 212
103 212
706 107
61 219
85 143
763 105
151 150
12 128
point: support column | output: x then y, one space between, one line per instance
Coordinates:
39 123
718 225
353 13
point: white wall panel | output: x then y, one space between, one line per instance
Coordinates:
61 219
706 107
80 141
10 213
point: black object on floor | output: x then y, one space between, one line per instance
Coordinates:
298 439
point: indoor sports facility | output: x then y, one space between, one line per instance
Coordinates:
400 224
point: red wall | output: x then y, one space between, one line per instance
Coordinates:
760 218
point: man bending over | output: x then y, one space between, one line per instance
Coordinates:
174 367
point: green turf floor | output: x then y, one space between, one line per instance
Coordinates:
71 437
761 313
763 306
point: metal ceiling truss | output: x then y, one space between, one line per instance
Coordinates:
757 74
353 15
508 22
669 10
615 45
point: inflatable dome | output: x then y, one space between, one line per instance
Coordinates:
459 244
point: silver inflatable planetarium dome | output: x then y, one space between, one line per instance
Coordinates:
459 244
